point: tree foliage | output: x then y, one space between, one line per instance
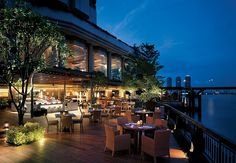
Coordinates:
24 36
143 74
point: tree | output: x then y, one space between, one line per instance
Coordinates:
24 36
143 74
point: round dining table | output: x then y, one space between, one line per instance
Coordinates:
137 130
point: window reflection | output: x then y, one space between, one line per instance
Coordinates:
49 58
116 73
79 59
100 61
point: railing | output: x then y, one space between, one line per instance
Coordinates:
207 143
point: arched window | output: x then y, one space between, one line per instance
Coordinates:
116 67
79 59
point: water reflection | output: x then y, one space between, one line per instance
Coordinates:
218 114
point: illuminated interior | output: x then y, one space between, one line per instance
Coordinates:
100 61
79 58
116 73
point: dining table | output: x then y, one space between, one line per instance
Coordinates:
64 113
137 130
58 115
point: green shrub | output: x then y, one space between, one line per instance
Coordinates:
28 133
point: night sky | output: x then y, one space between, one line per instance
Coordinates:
194 37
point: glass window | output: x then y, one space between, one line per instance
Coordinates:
48 57
116 73
79 59
100 61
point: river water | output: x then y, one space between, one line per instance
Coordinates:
219 114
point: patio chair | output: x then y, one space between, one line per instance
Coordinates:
157 114
115 142
66 123
159 146
96 116
149 120
51 123
128 114
161 123
78 121
125 106
120 122
85 111
117 111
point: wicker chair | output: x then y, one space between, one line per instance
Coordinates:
161 123
96 116
157 114
159 146
128 114
78 120
120 122
149 120
66 122
51 123
116 142
117 111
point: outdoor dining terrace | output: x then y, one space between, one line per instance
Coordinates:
87 143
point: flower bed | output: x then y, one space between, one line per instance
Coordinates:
26 134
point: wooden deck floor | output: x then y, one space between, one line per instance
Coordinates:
76 147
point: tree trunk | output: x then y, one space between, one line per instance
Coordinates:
21 117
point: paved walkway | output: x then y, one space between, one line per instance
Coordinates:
75 147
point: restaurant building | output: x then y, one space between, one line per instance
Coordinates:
94 49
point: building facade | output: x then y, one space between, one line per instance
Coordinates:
178 81
169 82
94 49
187 81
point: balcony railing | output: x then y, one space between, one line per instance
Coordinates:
207 143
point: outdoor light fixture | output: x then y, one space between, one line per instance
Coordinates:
6 126
191 147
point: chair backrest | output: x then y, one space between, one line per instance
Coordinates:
161 123
128 115
117 110
110 135
96 114
66 121
149 120
122 120
162 138
157 114
125 106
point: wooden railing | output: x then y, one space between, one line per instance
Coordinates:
207 143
